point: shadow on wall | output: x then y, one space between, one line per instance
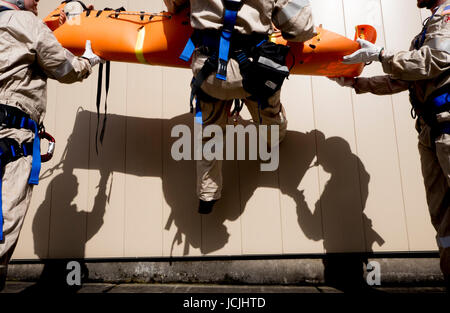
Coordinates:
346 230
147 154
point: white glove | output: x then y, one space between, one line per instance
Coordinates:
89 55
344 81
368 53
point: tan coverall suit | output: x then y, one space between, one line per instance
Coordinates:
424 71
29 54
292 17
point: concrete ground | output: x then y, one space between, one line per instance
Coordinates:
24 287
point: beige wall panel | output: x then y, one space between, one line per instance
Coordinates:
145 5
182 223
399 38
143 182
106 201
297 179
261 217
380 181
340 194
70 182
105 221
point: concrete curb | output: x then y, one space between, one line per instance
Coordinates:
416 271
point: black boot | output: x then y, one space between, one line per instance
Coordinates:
205 207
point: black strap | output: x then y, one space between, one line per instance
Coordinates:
107 79
10 150
238 105
99 97
12 117
209 67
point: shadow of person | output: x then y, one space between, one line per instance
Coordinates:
66 232
241 178
346 232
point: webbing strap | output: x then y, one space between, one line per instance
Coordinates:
107 80
36 164
188 51
97 103
196 84
225 42
99 98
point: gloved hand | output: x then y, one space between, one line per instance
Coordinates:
89 55
367 53
344 81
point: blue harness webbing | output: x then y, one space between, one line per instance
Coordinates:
229 22
232 8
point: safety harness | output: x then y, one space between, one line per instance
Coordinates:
261 62
437 102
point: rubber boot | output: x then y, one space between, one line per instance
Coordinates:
205 207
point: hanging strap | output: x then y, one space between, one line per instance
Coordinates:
197 81
232 8
99 98
36 164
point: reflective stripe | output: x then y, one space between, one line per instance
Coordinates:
272 64
441 44
138 49
292 9
444 242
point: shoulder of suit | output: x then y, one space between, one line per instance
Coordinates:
24 16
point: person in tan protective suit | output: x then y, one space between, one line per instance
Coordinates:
425 71
29 54
254 22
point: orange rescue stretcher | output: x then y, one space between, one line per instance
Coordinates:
159 39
